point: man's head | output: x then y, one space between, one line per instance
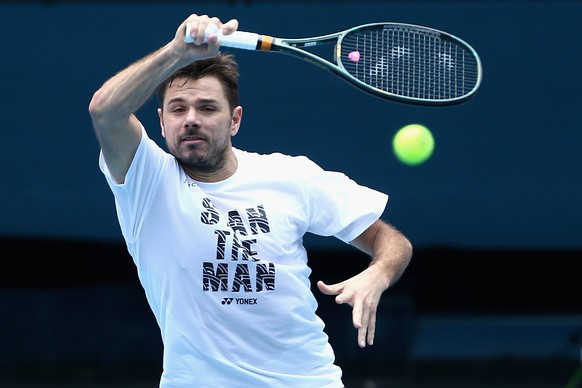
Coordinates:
199 113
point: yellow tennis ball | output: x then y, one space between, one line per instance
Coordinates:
413 144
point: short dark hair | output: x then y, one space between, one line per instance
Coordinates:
223 66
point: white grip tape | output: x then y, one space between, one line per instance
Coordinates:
238 39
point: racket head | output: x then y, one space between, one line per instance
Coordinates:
409 63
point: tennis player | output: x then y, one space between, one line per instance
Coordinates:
216 232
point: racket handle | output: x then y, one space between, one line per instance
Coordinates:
238 39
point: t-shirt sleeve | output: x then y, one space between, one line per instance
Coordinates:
341 207
134 197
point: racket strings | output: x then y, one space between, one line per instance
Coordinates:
410 63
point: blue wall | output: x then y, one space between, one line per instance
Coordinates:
494 214
506 168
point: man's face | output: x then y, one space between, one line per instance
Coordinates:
198 124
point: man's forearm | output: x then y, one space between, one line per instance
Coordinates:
390 250
124 93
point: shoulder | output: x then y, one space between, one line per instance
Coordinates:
277 160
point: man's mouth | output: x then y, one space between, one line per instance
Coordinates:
192 139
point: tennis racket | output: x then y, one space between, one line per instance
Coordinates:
401 62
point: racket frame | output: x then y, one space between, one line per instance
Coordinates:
297 47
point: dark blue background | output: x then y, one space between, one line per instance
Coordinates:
506 169
494 215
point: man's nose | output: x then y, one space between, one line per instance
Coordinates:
192 118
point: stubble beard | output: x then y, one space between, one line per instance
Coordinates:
212 161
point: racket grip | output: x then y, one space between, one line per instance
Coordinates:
238 39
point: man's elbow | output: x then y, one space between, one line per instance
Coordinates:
97 106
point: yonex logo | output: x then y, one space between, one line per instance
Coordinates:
228 301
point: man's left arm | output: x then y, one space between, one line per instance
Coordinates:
391 253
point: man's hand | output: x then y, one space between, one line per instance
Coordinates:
195 26
362 292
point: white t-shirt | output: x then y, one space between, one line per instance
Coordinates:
224 268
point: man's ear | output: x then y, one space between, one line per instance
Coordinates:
161 116
236 119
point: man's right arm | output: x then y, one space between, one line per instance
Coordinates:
113 106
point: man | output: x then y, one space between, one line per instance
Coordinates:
216 232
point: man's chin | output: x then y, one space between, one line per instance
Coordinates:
193 154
